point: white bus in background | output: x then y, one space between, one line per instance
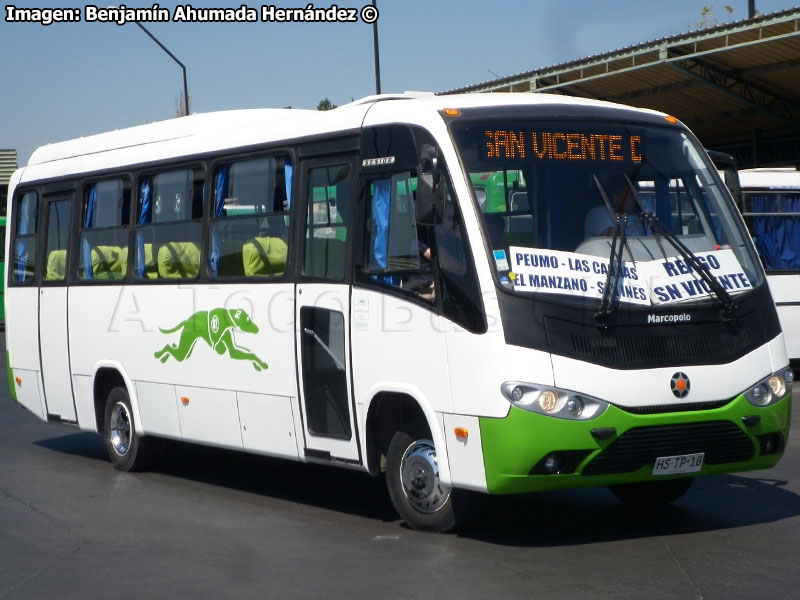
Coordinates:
770 203
329 287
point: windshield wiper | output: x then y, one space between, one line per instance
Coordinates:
619 242
727 303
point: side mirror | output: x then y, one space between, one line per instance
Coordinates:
732 182
430 188
430 199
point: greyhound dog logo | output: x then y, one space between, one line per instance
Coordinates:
215 327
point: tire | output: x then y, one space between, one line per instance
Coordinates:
412 479
127 450
652 493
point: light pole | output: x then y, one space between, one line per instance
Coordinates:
377 54
173 57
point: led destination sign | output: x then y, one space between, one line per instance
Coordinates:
561 145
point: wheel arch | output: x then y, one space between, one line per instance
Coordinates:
107 376
391 410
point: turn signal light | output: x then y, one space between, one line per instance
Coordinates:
461 432
184 400
671 119
451 112
18 380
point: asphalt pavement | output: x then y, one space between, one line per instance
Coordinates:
219 524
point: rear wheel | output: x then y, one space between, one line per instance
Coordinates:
652 493
127 450
417 493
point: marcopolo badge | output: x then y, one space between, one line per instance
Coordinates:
679 384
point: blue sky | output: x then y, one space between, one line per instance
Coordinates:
74 79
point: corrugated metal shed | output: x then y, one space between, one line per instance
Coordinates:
8 164
737 86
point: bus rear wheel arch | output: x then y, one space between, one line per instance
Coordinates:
127 450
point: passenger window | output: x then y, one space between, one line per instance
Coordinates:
56 245
397 251
169 227
104 230
25 238
326 235
250 222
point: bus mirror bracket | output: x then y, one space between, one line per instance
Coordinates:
430 188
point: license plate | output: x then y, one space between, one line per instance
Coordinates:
674 465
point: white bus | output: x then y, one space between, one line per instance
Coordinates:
771 208
328 287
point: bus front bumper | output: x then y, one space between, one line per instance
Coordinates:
529 452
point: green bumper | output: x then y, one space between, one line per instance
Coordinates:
514 447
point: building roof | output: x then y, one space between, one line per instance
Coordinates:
737 85
8 164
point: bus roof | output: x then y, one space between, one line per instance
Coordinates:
198 133
786 178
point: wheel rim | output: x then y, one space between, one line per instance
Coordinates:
120 429
419 474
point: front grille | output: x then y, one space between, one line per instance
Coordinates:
672 408
679 348
721 441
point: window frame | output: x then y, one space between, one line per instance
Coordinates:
47 201
211 219
11 260
195 167
79 207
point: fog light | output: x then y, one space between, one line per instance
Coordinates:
551 464
548 400
517 393
770 443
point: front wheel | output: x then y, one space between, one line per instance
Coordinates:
127 450
417 493
652 493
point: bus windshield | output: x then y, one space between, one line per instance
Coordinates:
551 195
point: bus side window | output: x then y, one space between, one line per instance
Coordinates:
772 217
250 220
104 230
169 227
326 235
56 242
25 238
397 251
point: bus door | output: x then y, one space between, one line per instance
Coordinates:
323 309
53 338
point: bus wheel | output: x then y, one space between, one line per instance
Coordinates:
127 450
417 493
652 493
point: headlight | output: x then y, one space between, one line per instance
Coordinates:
552 401
771 389
777 384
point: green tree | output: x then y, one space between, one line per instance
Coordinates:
325 104
707 18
